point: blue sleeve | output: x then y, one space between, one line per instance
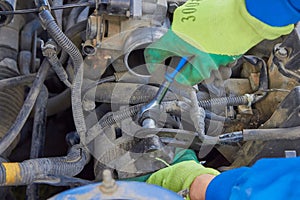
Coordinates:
275 12
276 179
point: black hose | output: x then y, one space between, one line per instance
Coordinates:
24 62
96 83
128 93
29 171
38 135
27 34
291 133
58 13
59 102
77 59
17 81
15 129
39 125
74 15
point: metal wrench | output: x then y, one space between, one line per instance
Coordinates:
156 101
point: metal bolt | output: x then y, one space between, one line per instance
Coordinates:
282 52
49 48
108 185
149 123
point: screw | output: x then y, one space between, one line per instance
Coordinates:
282 52
108 185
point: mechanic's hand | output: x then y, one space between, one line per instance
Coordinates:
198 68
179 176
216 32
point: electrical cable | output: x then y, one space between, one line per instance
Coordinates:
35 10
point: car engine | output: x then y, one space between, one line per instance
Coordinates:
73 81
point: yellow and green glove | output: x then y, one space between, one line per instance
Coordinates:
180 176
215 32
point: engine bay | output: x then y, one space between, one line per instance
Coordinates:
73 81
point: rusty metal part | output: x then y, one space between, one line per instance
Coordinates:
277 80
286 115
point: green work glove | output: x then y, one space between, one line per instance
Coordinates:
216 32
179 176
198 68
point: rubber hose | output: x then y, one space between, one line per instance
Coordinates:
58 13
22 116
119 93
28 171
74 15
59 103
291 133
27 34
38 135
77 59
16 81
39 125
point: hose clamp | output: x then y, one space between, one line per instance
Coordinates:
43 5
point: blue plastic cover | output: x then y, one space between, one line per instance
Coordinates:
275 12
126 190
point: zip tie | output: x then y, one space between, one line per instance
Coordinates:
250 99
